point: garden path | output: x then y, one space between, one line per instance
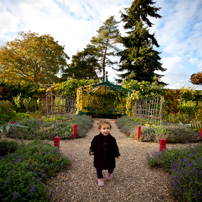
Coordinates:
132 179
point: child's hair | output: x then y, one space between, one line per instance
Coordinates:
102 122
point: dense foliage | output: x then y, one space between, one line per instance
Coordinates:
196 78
32 58
85 65
144 89
40 129
22 174
184 166
7 147
139 60
151 133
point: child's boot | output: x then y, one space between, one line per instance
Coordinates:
101 182
109 176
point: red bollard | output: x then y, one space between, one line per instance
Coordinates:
162 144
75 131
138 132
57 142
117 117
201 134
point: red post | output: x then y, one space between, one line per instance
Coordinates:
117 117
75 131
90 116
201 134
162 144
138 132
57 142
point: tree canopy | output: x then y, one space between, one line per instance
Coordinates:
139 60
32 58
196 78
84 64
108 36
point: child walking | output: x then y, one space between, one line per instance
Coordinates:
105 150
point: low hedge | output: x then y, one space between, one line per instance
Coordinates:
151 133
39 129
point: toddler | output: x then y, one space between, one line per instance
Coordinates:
105 150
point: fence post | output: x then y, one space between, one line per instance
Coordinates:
57 142
162 144
75 131
138 132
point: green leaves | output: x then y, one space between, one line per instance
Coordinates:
32 58
139 59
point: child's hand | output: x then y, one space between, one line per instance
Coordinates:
91 153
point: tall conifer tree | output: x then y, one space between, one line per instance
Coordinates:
105 41
139 60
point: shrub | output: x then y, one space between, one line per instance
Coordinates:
39 129
127 124
6 111
184 166
7 147
174 133
23 173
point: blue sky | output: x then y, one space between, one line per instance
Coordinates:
73 23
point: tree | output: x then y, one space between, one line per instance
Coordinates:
108 36
84 64
196 78
139 60
32 58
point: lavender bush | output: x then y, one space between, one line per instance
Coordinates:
22 174
39 129
185 171
151 133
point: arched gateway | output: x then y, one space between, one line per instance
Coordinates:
103 99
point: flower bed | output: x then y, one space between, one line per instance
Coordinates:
22 174
185 168
40 129
150 133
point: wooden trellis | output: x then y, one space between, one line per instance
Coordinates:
57 104
149 109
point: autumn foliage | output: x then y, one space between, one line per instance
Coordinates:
32 58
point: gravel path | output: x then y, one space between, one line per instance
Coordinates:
132 179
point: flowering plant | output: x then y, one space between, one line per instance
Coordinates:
8 125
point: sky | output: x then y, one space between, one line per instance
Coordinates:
74 22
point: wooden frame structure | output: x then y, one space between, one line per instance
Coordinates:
149 109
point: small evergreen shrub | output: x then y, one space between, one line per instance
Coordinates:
7 146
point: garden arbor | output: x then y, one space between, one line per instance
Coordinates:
104 99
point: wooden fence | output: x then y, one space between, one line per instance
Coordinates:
149 109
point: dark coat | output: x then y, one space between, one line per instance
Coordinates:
105 150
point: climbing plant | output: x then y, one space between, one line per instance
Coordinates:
104 100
